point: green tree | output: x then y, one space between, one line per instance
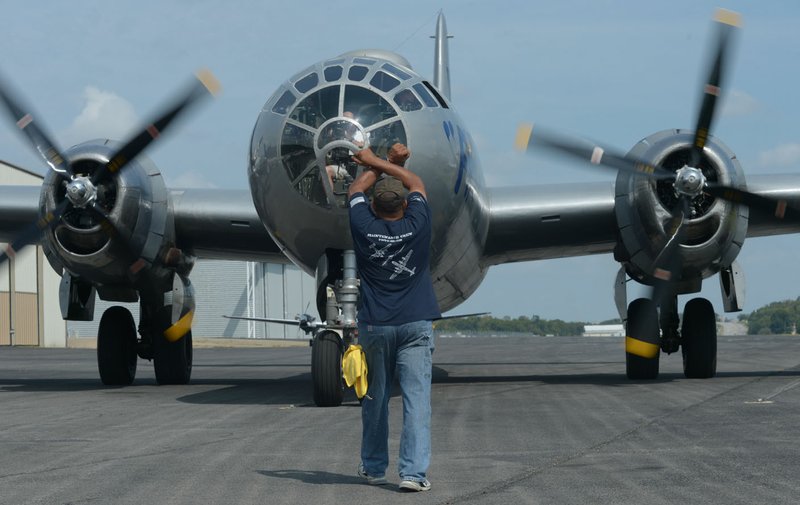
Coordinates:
775 318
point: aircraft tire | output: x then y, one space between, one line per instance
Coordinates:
699 339
326 369
172 361
116 347
643 317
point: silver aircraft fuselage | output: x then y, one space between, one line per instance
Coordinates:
308 124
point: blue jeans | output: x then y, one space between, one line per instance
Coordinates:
404 351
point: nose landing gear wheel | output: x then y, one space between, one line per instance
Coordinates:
116 347
642 343
326 369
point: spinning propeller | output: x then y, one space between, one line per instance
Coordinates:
689 184
82 190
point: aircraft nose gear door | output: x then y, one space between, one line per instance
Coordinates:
328 346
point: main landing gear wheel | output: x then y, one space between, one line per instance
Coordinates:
116 347
172 360
642 347
326 369
699 339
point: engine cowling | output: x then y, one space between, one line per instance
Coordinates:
715 230
137 230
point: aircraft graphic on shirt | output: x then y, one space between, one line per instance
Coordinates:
400 266
382 253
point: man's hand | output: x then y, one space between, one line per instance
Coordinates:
365 157
398 154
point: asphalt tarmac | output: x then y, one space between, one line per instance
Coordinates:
516 420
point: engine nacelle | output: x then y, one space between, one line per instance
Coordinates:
715 230
138 230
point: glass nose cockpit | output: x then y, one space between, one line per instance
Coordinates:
349 105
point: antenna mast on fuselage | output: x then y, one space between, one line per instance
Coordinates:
441 58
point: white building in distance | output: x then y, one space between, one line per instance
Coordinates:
603 330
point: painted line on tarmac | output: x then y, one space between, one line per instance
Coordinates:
768 399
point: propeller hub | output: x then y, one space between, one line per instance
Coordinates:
689 181
81 192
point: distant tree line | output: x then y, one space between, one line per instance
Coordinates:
530 325
774 319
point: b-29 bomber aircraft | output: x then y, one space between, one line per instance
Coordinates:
678 213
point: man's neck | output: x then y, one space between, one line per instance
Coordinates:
397 216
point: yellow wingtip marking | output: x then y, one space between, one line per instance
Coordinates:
523 138
180 328
207 78
728 17
641 349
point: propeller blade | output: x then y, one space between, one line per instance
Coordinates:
32 232
585 151
183 309
37 137
206 84
136 264
460 316
727 21
667 265
776 207
307 326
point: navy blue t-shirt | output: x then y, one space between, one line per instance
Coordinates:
393 259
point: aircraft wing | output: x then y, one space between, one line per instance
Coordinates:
209 223
562 220
221 224
778 187
550 221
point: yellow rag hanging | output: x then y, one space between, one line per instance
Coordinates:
354 369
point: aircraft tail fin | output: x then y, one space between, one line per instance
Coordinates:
441 58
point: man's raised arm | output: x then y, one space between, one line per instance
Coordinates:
409 179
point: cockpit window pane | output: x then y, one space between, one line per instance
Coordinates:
340 130
422 91
284 102
366 106
357 73
436 94
383 138
310 186
396 71
306 83
333 73
407 101
297 150
318 107
363 61
384 81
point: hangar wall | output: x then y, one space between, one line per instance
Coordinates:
28 286
234 288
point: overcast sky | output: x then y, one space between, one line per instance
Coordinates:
613 71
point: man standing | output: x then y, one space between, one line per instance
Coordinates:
391 238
